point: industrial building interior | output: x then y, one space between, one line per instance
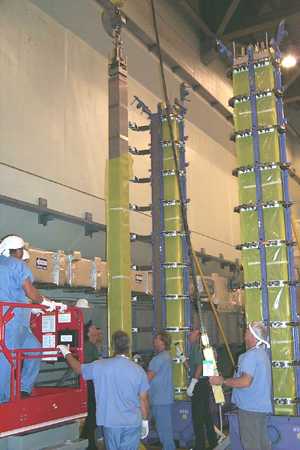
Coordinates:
149 158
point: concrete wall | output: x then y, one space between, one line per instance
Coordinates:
53 128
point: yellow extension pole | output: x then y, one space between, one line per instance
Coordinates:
215 312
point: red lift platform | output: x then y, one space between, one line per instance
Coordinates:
47 405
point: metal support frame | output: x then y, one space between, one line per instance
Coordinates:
186 281
288 219
227 17
259 205
257 170
259 200
46 214
159 233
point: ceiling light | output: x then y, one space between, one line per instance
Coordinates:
288 61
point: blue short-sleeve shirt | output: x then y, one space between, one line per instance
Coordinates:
13 273
118 384
257 397
161 386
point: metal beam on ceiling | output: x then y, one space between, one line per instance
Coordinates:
197 19
265 23
46 214
227 17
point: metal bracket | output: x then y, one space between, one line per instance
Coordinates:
173 233
177 361
280 35
175 265
170 172
285 364
89 226
112 20
141 268
139 104
177 329
137 208
135 151
140 237
283 324
176 297
135 127
178 390
285 401
138 180
141 329
224 51
174 202
44 217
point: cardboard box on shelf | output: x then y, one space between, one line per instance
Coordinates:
102 265
82 272
139 281
48 267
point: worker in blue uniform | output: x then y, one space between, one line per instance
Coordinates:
121 394
162 389
16 286
252 389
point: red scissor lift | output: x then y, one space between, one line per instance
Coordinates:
47 405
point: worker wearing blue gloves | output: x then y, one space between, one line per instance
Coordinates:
121 390
162 390
16 287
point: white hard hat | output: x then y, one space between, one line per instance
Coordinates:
26 255
82 303
10 243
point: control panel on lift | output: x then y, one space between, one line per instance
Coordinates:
50 402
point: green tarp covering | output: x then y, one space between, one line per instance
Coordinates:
173 249
284 380
118 244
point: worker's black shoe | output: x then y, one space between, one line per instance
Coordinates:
25 394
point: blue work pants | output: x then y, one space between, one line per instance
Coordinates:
122 438
18 336
163 423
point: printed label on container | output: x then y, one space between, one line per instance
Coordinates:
41 263
64 318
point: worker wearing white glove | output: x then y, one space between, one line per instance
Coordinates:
117 381
199 391
52 305
144 429
64 350
191 387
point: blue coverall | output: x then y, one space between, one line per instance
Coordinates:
118 383
161 397
13 273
